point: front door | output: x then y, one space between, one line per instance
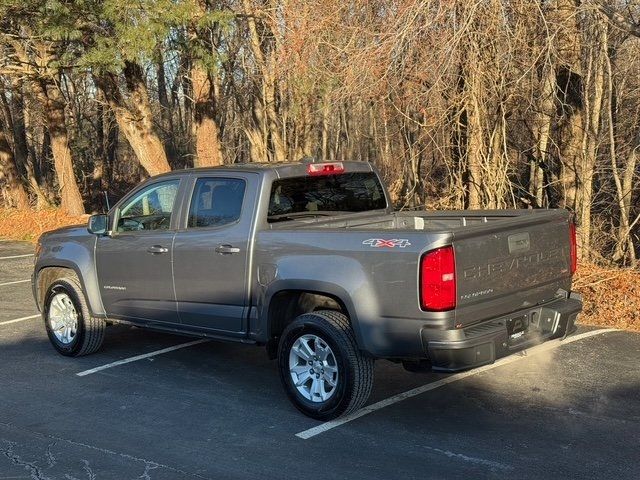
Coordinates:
134 262
210 254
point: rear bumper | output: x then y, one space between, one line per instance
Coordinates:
483 343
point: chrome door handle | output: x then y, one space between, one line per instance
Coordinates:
224 249
157 249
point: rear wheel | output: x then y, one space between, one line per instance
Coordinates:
323 372
71 328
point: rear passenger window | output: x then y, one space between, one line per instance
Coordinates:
216 202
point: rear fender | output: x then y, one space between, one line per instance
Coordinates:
338 277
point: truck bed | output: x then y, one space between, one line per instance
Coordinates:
505 260
431 221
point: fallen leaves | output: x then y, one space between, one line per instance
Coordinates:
611 296
30 224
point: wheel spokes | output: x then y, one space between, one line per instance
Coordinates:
60 307
328 377
330 369
302 373
299 369
303 378
316 386
63 318
323 353
307 350
313 368
302 350
323 391
317 346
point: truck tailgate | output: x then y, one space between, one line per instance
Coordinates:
511 264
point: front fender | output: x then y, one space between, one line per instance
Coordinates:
76 254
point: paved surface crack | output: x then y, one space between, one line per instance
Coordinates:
88 470
31 467
479 461
149 464
51 459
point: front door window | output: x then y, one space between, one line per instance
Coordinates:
150 209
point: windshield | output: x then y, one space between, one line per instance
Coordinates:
346 192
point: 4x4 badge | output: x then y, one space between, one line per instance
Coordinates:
382 243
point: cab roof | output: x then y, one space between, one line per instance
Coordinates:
281 169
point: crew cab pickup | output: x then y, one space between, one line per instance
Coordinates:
310 260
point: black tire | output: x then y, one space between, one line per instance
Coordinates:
90 331
355 369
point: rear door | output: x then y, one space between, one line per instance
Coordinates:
211 252
507 265
134 262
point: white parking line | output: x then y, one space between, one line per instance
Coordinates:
13 283
22 319
17 256
553 344
140 357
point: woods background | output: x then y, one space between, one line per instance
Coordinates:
460 104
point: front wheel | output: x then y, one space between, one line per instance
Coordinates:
71 328
323 372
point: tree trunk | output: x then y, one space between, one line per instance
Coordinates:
542 131
98 181
265 59
474 150
324 139
496 178
23 124
205 127
594 96
304 130
163 99
624 246
111 147
14 117
166 116
53 102
627 193
563 16
255 129
135 118
9 174
258 151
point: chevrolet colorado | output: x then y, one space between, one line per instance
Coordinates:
310 260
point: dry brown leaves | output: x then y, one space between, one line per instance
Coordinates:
611 296
30 224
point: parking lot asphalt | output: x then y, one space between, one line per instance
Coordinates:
216 410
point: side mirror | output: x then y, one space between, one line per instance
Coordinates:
98 224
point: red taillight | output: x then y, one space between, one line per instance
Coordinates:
325 168
438 280
573 247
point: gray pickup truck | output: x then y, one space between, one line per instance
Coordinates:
310 260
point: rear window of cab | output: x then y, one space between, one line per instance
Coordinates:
343 192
